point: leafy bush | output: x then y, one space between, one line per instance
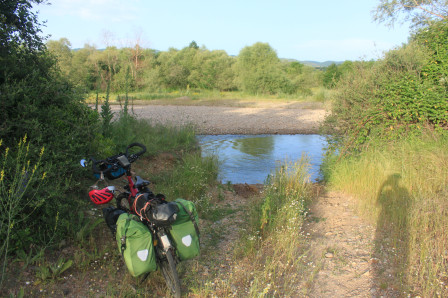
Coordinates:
37 102
397 96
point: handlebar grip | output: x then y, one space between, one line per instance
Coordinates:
136 145
98 171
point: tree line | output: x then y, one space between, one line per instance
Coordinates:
257 69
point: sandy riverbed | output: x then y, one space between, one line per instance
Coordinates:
235 120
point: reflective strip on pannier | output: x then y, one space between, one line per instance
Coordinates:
135 244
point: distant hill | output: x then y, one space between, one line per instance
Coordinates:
320 64
314 64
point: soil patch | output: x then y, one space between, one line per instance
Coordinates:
342 248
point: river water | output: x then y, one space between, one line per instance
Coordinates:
251 158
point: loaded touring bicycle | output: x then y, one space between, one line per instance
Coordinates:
151 232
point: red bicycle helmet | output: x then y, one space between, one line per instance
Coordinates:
102 196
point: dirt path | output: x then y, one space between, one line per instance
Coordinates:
351 260
341 245
341 250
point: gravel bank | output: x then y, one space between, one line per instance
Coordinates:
215 120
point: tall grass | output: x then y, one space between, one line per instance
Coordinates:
274 243
403 188
190 179
127 129
216 97
20 181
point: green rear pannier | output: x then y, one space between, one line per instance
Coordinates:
184 231
135 244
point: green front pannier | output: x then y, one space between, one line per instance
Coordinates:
184 231
135 244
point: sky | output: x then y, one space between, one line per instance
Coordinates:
318 30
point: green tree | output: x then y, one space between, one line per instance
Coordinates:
258 70
331 76
212 70
333 73
193 45
19 38
82 73
175 67
62 50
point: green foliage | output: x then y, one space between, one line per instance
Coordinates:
128 129
86 226
193 45
136 69
37 101
29 258
20 181
52 271
287 191
190 179
331 76
435 39
333 73
106 112
275 233
19 39
397 96
61 49
258 70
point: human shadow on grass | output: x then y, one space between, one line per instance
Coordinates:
391 254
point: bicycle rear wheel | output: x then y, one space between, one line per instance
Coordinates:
168 268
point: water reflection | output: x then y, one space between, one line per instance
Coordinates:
260 147
250 159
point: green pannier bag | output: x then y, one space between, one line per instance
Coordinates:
185 231
135 245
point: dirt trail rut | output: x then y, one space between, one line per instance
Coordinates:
341 247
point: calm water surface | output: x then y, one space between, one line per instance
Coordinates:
250 159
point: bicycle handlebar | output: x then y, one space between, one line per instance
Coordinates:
113 162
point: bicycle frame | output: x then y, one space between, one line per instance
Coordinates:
132 189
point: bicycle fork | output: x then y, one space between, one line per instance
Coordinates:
166 243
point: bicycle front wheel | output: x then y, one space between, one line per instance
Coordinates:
168 267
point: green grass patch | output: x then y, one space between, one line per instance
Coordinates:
215 97
157 138
190 179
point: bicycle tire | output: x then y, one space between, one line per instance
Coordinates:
122 202
168 268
